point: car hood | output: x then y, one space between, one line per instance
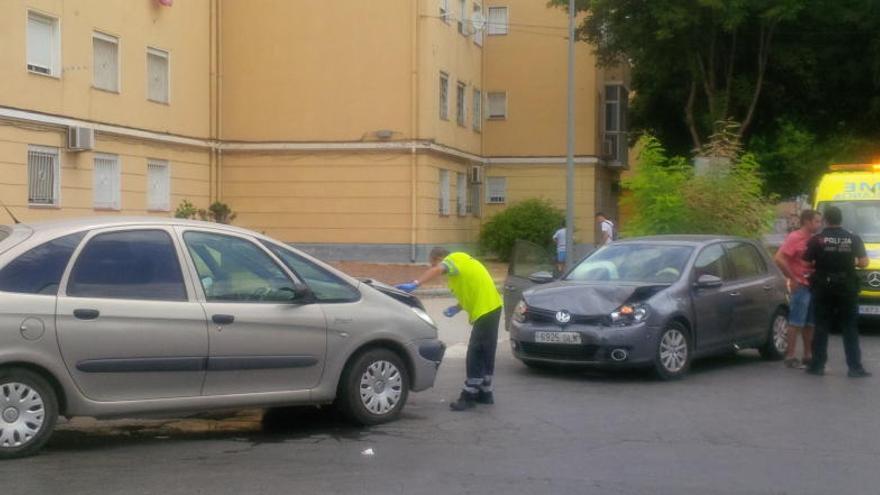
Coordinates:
393 292
588 299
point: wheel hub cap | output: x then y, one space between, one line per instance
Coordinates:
381 387
10 415
673 351
23 413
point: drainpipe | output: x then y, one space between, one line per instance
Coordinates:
219 175
414 128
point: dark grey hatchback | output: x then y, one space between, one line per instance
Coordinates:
655 301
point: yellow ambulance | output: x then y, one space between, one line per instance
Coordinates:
855 189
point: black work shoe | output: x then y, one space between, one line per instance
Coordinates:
815 371
859 373
485 397
465 401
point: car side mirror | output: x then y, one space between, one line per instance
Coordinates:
541 277
300 294
707 281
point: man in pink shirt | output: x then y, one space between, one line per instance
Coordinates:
790 259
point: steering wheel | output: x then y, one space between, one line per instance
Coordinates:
668 273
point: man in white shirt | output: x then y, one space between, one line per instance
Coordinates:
559 238
607 229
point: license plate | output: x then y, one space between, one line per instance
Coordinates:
558 337
869 310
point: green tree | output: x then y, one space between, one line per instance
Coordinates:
668 198
532 220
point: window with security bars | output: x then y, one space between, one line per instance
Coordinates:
105 62
43 48
615 145
444 96
107 183
496 190
478 110
497 103
43 176
443 207
159 185
461 194
497 24
478 34
460 109
157 75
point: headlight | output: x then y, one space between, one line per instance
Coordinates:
629 314
519 312
424 316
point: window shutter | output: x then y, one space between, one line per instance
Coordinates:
106 62
497 105
462 195
157 70
444 192
41 43
496 190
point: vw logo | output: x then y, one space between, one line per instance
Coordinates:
564 316
873 280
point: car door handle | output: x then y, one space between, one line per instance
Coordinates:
223 319
733 294
767 287
86 314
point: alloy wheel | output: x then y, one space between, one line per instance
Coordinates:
673 350
780 324
381 386
22 414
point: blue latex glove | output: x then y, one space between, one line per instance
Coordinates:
407 287
451 311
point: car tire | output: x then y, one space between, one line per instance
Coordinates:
774 347
24 431
673 356
373 388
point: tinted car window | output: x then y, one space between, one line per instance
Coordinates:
628 262
746 260
712 261
137 264
326 286
232 269
39 270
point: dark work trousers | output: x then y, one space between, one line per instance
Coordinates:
836 310
481 353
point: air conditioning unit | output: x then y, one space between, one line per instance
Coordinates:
80 138
475 175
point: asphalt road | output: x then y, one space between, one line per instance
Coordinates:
737 425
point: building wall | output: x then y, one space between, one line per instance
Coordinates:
182 30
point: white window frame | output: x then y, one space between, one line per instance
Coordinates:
461 104
108 38
158 52
496 190
614 141
443 182
477 111
461 190
489 113
163 203
444 96
115 202
444 11
497 29
54 69
478 34
56 183
462 17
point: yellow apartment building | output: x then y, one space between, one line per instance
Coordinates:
357 130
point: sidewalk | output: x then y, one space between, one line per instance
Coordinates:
393 274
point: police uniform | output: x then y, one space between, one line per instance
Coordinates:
835 287
472 285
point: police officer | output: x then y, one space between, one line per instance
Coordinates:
475 290
835 253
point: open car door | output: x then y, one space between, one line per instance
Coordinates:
530 264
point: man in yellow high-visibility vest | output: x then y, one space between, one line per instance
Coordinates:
476 293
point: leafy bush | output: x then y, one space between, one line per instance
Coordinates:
533 220
666 197
217 212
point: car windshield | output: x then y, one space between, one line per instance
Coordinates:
859 217
633 262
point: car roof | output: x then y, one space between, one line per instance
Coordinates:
680 239
49 227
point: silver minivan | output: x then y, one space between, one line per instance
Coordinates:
111 317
